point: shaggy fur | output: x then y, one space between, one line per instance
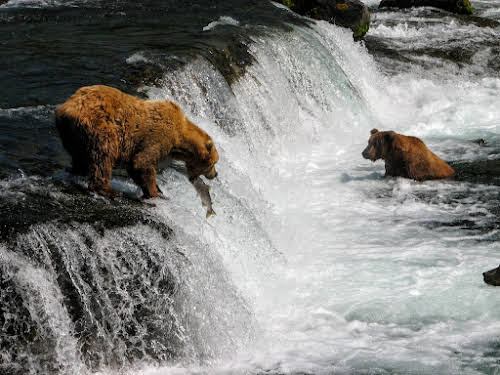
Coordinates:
406 156
101 127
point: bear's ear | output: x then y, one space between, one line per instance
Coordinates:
373 131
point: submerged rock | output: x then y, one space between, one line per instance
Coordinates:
231 60
483 171
480 142
346 13
455 6
492 277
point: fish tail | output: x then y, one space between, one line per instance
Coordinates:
210 213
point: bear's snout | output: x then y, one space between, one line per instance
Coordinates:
366 153
211 174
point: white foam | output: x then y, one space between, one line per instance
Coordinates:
223 20
137 58
44 302
39 3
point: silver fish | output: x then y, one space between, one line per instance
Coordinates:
203 191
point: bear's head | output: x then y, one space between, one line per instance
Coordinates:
379 145
198 151
204 161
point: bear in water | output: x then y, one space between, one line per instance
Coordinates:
101 127
406 156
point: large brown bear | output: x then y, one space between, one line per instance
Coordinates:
405 156
101 127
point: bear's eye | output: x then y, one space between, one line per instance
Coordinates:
209 145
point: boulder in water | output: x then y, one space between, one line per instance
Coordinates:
346 13
480 142
492 277
455 6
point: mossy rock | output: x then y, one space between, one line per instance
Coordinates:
464 7
352 14
361 31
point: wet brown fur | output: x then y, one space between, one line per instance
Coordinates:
406 156
101 127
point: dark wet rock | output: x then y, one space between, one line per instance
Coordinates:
352 14
492 277
455 6
26 206
480 142
139 74
231 60
477 171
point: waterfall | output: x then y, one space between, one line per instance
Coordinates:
314 262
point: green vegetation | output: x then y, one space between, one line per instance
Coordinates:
361 30
464 7
290 4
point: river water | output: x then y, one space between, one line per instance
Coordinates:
315 262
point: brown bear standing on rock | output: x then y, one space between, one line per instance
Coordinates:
101 127
406 156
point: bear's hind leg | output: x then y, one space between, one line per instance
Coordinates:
100 177
145 178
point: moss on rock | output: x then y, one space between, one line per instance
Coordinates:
361 30
351 14
464 7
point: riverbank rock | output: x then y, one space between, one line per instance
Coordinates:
455 6
492 277
352 14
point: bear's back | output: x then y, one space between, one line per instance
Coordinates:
424 164
94 102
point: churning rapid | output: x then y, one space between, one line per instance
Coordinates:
315 262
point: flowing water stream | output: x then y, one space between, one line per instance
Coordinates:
315 262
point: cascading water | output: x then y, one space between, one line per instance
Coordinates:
314 263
